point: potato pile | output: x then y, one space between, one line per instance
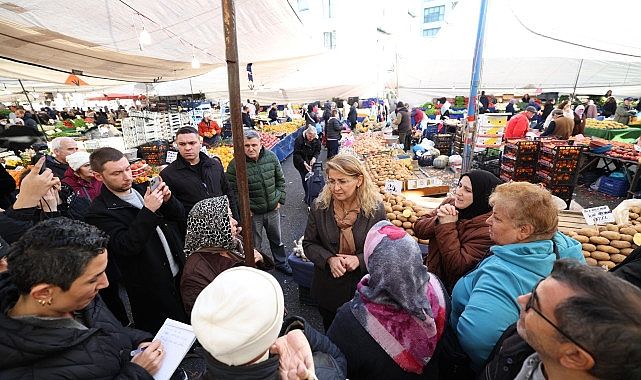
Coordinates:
403 213
381 168
609 245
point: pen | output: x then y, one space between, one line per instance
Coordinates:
137 351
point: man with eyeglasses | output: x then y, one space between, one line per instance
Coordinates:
584 323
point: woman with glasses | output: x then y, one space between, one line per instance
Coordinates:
338 222
523 224
456 229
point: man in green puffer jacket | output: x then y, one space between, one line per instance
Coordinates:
266 193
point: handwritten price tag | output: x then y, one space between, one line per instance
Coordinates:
598 215
393 186
171 156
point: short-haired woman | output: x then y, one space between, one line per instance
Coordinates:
523 224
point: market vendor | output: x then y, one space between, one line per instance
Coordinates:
519 125
209 129
624 111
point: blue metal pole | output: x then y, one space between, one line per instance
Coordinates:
470 138
478 59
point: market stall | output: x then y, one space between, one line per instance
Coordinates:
624 135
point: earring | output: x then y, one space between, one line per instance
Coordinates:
49 301
41 302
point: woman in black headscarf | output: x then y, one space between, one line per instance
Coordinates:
458 233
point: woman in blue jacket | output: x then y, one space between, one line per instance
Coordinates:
523 224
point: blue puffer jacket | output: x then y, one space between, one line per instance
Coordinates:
484 301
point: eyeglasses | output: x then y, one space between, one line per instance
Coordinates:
340 182
530 305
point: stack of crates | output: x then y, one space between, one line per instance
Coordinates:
558 167
519 161
144 126
443 142
155 152
488 160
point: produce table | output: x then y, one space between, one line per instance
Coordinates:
285 147
624 135
589 160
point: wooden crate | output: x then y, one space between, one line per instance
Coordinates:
571 220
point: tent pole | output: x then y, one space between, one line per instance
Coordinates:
35 114
233 80
477 66
576 81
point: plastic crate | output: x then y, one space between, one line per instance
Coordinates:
614 187
154 152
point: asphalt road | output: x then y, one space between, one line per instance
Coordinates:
293 222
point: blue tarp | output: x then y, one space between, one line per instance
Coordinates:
285 147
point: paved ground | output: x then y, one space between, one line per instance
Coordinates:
293 222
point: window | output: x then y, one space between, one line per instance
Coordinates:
328 9
330 39
430 32
434 14
303 5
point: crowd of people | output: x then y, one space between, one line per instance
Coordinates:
561 120
81 233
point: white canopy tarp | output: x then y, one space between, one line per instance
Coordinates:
530 46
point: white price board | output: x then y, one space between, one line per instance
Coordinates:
598 215
172 155
393 186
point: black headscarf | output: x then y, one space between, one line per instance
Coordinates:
483 183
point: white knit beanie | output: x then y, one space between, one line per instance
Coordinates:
77 159
239 315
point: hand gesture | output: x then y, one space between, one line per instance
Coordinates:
447 214
154 199
307 167
350 262
336 266
296 362
35 185
166 193
151 358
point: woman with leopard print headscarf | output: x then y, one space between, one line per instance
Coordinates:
212 245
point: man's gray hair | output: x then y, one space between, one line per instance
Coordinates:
311 130
56 143
251 134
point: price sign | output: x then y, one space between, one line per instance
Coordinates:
393 186
598 215
171 156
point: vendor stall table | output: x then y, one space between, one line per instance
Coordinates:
624 135
285 147
590 160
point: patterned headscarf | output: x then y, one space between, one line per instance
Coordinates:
208 225
400 304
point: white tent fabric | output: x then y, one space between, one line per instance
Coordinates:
524 50
530 46
46 41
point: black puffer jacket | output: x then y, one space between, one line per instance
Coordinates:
304 151
29 351
333 128
185 183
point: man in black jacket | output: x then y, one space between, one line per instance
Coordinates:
194 176
145 241
307 148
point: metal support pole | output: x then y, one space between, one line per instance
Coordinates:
231 53
477 67
35 114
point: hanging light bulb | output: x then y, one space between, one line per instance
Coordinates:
195 63
145 37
